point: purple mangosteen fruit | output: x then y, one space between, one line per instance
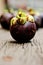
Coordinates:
22 27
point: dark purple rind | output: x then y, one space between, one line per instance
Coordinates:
5 20
23 33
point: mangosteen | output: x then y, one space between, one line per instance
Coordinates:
38 17
22 27
5 20
39 20
41 17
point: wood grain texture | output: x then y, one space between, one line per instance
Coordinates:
13 53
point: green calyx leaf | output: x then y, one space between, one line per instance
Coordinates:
18 16
22 13
22 17
22 20
13 21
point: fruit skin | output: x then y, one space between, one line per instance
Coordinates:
23 33
39 20
41 16
5 20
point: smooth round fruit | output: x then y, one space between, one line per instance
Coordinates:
5 20
41 16
23 33
22 29
37 21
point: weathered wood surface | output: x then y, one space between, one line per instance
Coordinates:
13 53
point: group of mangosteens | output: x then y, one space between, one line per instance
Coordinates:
22 26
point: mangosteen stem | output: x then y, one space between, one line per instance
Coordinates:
7 6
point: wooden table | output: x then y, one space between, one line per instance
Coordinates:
13 53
